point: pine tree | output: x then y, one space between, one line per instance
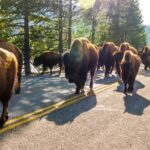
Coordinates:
135 30
125 22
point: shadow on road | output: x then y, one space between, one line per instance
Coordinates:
137 85
134 103
144 73
101 79
39 91
68 114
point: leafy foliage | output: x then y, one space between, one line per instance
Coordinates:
103 20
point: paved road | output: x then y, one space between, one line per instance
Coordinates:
39 91
108 120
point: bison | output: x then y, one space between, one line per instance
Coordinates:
145 57
17 52
81 59
126 46
106 56
128 70
8 80
48 59
119 55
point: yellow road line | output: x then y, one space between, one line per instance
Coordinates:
46 110
40 110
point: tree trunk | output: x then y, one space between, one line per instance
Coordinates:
70 24
26 38
60 44
93 25
118 24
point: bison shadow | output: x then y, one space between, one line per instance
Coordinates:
39 91
144 73
137 85
68 114
134 103
101 79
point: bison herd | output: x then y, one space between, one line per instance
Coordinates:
82 58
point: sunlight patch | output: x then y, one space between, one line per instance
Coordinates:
86 4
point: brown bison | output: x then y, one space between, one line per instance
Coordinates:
106 56
8 80
145 57
17 52
128 70
81 59
48 59
119 55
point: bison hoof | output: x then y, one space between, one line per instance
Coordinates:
82 91
90 92
2 123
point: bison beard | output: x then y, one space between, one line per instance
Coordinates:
79 61
8 80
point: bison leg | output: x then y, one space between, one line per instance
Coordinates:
60 68
130 89
18 89
125 88
44 68
92 71
118 68
145 68
51 67
77 90
4 116
80 84
111 68
107 70
98 67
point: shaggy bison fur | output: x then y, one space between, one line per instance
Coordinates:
8 81
17 52
81 59
129 68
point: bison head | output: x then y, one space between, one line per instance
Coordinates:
37 61
72 67
124 46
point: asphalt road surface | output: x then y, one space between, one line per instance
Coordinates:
106 120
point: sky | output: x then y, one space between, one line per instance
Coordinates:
145 9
